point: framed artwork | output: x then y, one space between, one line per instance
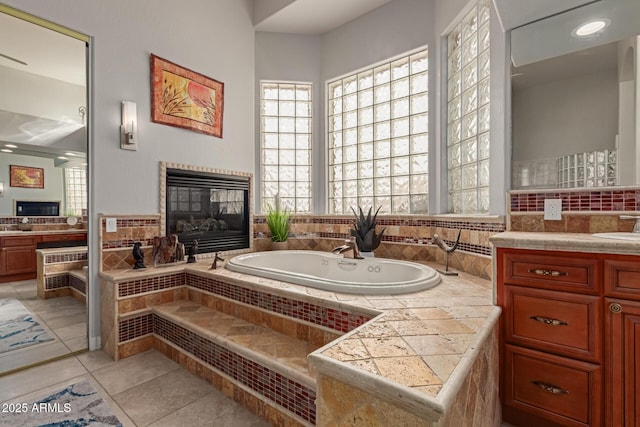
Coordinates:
25 176
183 98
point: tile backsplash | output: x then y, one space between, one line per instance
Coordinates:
586 210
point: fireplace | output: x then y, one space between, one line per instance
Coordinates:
212 208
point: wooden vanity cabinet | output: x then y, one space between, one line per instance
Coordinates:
622 339
18 259
18 256
551 346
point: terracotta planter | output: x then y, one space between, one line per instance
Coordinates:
279 246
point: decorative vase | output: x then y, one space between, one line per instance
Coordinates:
367 254
279 246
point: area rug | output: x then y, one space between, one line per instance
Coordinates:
18 327
78 405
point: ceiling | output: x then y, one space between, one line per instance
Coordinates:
309 16
515 13
46 52
43 80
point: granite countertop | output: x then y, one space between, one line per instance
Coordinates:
417 349
575 242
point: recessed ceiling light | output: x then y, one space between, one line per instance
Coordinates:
6 150
63 158
70 153
592 27
10 146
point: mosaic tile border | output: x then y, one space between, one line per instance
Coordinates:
407 222
135 327
150 284
324 316
36 220
69 257
56 282
78 284
597 200
287 393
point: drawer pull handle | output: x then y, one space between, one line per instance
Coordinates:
541 272
548 320
550 388
614 307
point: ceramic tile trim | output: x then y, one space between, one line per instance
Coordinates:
415 230
601 199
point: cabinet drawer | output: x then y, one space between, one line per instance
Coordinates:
13 241
622 278
552 270
63 237
565 391
563 323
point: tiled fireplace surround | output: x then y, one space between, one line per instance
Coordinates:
406 238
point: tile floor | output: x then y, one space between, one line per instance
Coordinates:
64 318
147 389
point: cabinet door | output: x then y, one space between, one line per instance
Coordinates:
622 323
19 259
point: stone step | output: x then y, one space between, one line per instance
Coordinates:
277 352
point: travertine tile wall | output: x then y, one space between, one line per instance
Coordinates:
116 247
53 277
405 237
476 404
594 210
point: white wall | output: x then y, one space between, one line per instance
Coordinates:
387 31
212 37
34 95
566 116
296 58
53 182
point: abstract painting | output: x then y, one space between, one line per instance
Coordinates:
183 98
25 176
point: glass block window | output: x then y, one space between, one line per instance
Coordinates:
75 180
378 138
285 135
468 112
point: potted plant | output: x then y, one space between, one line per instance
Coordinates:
364 230
279 223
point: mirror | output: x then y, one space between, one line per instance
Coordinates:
43 162
574 103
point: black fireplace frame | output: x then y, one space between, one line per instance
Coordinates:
211 241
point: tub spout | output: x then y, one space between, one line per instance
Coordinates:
216 258
349 245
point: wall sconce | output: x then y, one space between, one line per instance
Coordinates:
129 126
1 188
